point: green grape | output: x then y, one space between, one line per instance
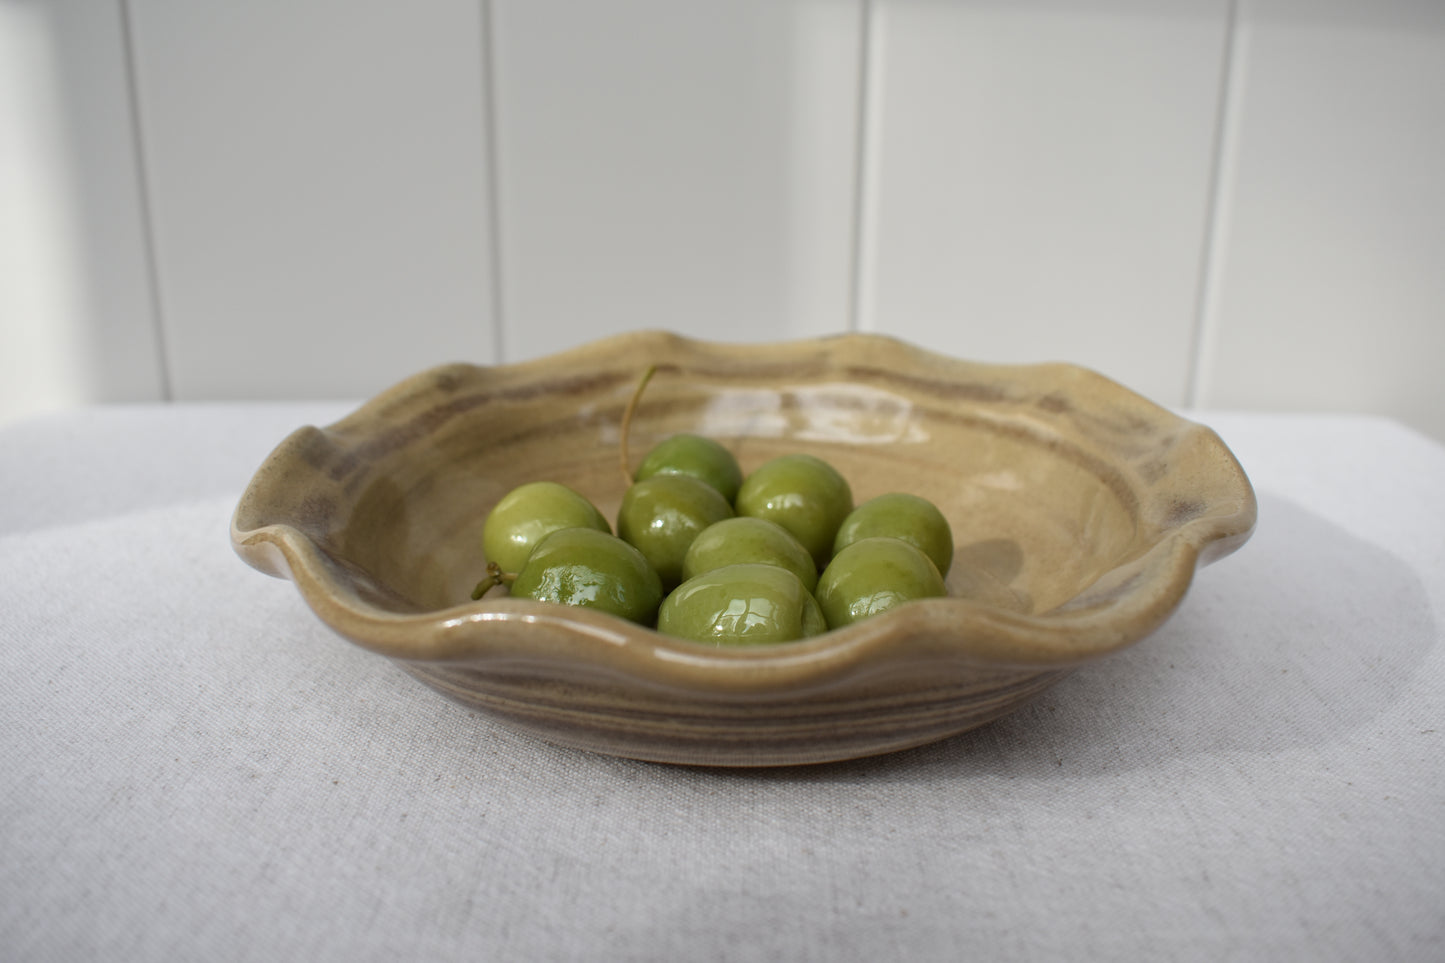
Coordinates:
750 604
593 569
803 494
661 516
734 541
702 458
529 513
898 515
873 575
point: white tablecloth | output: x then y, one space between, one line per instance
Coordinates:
193 767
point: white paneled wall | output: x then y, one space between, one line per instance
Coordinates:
1234 203
77 317
680 164
1040 181
1331 275
317 182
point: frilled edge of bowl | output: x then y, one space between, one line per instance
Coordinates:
1213 515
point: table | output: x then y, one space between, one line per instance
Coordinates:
195 768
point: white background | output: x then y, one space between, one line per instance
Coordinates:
1222 204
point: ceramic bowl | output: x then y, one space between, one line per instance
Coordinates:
1080 511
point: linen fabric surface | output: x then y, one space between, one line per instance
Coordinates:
193 767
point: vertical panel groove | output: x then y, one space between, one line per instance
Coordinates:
147 217
1211 263
865 162
493 186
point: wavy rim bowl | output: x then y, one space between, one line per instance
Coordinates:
915 674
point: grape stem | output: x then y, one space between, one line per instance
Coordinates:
495 577
627 414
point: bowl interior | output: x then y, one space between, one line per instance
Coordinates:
1037 517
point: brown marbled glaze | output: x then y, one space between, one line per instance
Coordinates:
1080 510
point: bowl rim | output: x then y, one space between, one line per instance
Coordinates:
500 633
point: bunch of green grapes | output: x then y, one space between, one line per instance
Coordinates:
703 553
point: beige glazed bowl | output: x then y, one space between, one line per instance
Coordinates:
1080 513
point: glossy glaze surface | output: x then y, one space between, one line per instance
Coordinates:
1080 512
